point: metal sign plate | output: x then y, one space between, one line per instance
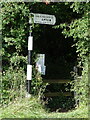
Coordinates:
40 63
44 19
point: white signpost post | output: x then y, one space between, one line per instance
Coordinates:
40 19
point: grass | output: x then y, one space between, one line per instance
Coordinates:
31 108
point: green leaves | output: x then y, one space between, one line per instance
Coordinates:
79 30
15 18
13 80
15 28
17 59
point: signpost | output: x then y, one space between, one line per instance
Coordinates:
40 19
44 19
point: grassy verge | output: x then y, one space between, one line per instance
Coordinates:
31 108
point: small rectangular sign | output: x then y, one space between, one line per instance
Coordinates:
29 72
44 19
43 70
40 59
40 63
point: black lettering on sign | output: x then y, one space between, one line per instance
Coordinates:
46 19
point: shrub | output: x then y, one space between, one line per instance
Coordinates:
13 84
80 86
38 87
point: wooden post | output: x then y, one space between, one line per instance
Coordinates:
29 66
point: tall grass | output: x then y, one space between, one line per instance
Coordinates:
32 108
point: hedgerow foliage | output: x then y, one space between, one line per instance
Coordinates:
15 31
79 30
15 28
12 85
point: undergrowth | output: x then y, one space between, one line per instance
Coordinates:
32 108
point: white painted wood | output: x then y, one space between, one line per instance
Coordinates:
30 43
29 72
44 19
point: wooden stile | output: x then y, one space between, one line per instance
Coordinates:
60 81
56 81
54 94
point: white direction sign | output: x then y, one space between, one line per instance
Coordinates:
44 19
